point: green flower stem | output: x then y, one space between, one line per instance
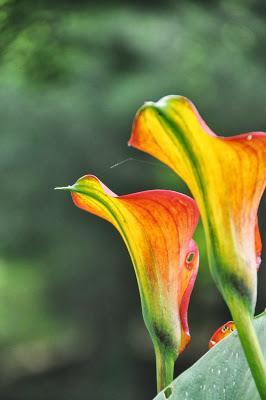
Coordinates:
251 346
165 362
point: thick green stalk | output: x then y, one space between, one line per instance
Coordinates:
165 362
251 346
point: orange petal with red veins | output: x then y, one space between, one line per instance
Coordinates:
157 227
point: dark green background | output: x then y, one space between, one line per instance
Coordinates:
72 75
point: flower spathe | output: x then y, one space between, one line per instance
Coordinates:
222 332
157 227
227 177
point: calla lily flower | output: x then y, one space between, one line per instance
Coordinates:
157 227
227 177
224 330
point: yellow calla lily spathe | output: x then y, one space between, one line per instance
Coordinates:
157 228
227 177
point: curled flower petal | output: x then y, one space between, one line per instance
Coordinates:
156 227
258 245
187 280
225 330
227 177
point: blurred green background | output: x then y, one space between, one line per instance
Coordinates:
72 75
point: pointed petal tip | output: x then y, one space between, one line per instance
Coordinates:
66 188
89 182
149 103
155 107
165 101
84 179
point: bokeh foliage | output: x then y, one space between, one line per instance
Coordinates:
72 76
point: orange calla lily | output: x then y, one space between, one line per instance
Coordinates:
157 227
227 176
224 330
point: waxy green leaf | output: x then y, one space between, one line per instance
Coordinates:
221 374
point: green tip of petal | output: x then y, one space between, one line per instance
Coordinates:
68 188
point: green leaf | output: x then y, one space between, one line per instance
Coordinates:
221 374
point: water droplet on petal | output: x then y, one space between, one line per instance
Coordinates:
189 260
249 137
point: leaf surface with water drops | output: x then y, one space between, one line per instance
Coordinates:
221 374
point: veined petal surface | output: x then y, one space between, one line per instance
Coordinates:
157 227
227 177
